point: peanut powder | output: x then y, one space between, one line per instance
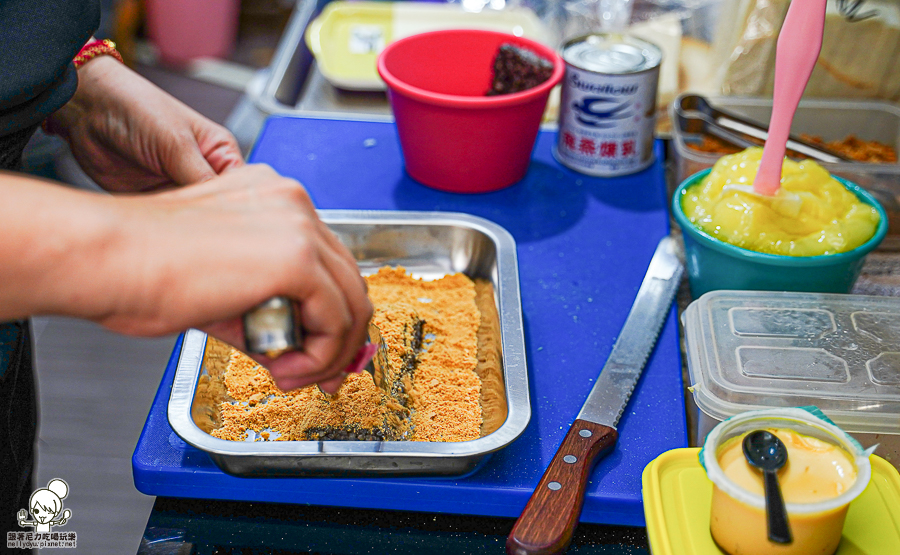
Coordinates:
443 368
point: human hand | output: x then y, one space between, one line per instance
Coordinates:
129 135
279 229
203 255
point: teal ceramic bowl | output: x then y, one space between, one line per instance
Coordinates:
713 264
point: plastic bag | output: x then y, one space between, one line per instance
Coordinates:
858 58
683 29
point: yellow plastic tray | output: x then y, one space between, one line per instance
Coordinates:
677 496
347 37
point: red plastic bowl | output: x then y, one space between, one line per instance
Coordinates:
453 137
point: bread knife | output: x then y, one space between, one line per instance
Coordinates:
549 519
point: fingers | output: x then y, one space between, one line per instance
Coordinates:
229 331
331 334
284 371
217 144
187 165
342 268
244 182
302 260
335 244
335 340
208 151
333 385
224 155
289 371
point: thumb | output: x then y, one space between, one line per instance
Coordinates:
188 165
224 156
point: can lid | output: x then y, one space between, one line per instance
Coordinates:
612 53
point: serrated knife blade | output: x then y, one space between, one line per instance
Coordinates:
548 521
607 400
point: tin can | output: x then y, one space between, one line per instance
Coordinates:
607 112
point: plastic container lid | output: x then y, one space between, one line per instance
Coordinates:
347 36
678 495
750 350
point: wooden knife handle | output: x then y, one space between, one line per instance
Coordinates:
548 521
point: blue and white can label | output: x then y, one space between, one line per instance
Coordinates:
607 109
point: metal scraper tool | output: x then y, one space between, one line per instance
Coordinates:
379 361
272 329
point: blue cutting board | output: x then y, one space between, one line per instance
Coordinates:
583 243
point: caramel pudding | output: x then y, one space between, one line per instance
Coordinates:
816 471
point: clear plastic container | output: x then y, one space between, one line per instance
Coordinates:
829 119
751 350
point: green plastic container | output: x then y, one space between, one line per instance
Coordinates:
713 264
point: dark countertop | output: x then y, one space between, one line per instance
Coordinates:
181 526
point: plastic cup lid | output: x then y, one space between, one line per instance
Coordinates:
808 421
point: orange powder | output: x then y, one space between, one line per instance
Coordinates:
440 401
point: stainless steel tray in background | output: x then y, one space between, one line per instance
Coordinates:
429 245
293 85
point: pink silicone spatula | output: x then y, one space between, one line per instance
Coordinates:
799 44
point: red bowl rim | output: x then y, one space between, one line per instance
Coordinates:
458 101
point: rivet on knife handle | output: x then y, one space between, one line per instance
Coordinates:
548 521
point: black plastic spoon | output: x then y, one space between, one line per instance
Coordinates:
766 452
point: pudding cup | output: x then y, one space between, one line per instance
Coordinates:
713 264
738 519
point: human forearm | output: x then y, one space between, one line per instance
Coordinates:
198 256
56 252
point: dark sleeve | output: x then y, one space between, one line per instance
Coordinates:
39 38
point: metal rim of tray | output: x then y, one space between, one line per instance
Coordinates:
515 373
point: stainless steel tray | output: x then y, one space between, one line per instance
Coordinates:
293 85
429 245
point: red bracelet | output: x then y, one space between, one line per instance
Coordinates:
96 48
87 53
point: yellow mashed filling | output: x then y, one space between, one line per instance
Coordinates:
812 214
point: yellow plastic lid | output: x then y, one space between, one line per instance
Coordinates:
677 497
347 37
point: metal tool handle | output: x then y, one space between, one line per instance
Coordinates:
273 328
549 519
